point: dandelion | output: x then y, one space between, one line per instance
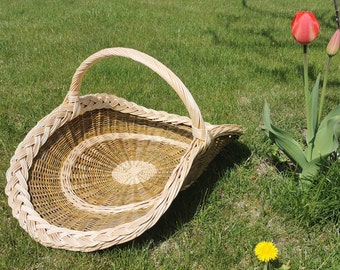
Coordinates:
265 252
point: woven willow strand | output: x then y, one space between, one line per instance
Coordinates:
165 73
204 144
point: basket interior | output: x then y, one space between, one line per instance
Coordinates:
104 168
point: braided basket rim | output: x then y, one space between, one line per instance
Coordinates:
17 175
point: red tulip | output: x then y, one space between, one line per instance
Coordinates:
334 44
305 27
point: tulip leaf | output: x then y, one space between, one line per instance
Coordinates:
266 118
332 113
313 111
283 140
309 171
326 139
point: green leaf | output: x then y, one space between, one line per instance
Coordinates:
309 171
332 113
266 118
313 111
285 267
283 140
326 139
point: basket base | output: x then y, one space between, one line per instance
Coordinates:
104 169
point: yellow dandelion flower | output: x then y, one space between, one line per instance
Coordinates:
266 251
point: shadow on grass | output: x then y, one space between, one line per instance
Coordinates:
324 17
187 203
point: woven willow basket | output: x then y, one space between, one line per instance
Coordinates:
99 170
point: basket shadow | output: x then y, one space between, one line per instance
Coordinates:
188 202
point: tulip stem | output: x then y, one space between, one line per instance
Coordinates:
323 91
336 13
307 99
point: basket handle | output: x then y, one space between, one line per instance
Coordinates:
199 130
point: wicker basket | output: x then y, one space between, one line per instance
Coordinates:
99 170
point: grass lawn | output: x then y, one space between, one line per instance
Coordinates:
232 55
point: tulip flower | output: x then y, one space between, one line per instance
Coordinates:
322 134
305 27
334 44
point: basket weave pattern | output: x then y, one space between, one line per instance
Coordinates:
100 170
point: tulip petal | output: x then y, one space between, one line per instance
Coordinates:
305 27
334 44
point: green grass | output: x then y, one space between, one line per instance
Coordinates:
232 55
